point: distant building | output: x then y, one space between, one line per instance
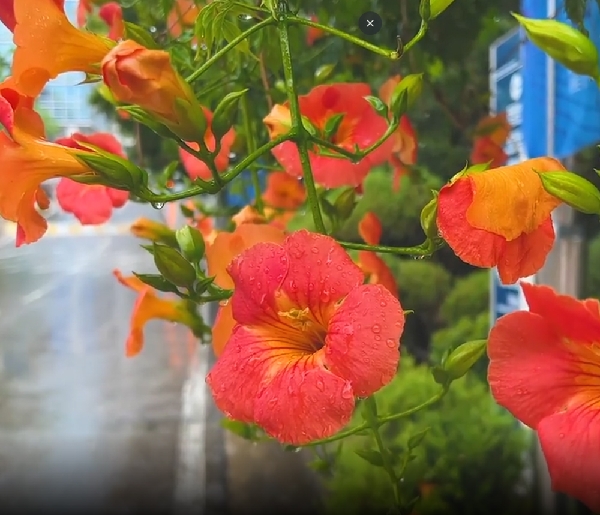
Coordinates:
64 100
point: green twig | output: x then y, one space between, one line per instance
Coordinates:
251 143
229 46
386 52
418 37
301 137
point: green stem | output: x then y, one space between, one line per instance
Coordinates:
227 177
436 398
387 462
357 156
251 143
381 420
301 136
386 52
229 46
418 37
420 250
207 159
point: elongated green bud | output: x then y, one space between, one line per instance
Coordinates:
437 7
564 44
572 189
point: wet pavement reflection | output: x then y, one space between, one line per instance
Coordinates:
82 428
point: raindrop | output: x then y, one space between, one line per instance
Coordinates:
157 205
314 250
383 303
311 286
377 338
561 435
391 343
376 328
339 268
325 297
320 385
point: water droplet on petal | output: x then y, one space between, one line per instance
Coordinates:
376 328
314 250
311 286
339 268
391 343
383 303
377 338
320 385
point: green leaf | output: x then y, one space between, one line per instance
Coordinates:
246 431
416 439
373 457
186 211
230 31
332 125
140 35
158 282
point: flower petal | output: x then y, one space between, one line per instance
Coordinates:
511 200
571 446
304 402
236 377
363 338
222 328
320 272
370 228
566 316
257 273
527 254
531 372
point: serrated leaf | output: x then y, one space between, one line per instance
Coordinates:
230 31
373 457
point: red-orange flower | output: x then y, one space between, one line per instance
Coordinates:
309 338
406 145
7 14
198 169
490 137
183 15
48 45
284 191
153 231
84 9
149 306
313 33
375 269
225 247
500 217
112 14
146 78
545 369
92 204
251 215
28 159
360 127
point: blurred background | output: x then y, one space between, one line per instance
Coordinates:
83 427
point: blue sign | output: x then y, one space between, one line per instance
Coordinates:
506 85
561 113
240 192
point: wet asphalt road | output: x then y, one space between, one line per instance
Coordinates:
82 428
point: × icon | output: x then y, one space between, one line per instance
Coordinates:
370 23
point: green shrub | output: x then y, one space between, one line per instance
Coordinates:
469 297
399 211
473 452
462 330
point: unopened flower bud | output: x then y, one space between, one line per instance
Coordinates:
173 266
462 359
405 94
574 190
564 44
437 7
191 243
